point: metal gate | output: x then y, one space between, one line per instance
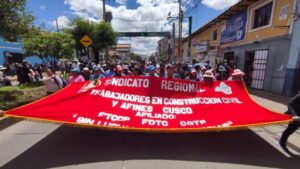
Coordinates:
259 69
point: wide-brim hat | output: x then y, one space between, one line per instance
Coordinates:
75 70
237 72
209 74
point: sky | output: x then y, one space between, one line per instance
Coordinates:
129 16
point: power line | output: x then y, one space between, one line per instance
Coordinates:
192 8
134 20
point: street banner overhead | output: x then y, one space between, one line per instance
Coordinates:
152 105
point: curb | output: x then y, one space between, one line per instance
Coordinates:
7 121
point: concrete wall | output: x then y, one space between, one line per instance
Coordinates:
292 78
276 64
13 47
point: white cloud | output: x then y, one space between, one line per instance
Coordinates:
219 4
150 15
62 22
121 2
43 7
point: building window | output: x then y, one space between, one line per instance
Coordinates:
215 35
262 16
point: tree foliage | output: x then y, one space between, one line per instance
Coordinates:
136 57
15 20
101 34
49 46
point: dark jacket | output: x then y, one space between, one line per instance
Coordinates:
294 106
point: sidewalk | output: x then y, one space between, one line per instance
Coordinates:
272 133
270 96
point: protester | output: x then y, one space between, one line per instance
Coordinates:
136 71
169 71
75 76
52 81
199 72
208 77
97 73
236 75
118 71
294 111
193 76
125 70
110 72
4 81
75 64
222 72
36 75
25 72
152 71
86 73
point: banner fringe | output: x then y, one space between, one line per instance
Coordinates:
152 130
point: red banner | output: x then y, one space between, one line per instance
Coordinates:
152 104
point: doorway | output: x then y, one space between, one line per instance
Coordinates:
255 68
229 57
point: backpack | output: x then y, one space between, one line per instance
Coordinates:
64 81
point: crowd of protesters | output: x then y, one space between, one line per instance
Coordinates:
75 71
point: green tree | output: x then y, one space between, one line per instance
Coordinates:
136 57
15 20
101 34
50 47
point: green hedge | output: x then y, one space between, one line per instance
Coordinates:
15 96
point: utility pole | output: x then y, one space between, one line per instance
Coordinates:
174 43
104 11
57 29
180 30
190 39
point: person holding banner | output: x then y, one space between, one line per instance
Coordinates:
236 75
208 77
294 111
52 82
152 71
169 71
193 76
118 71
75 76
97 73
